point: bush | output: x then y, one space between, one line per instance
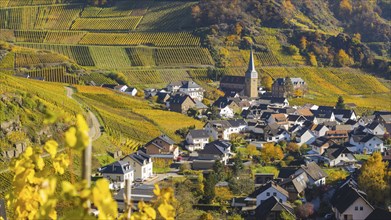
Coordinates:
291 50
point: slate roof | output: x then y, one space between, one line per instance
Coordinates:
346 113
118 167
140 157
314 171
287 172
322 114
140 193
345 196
190 84
200 105
199 133
271 100
298 181
179 98
367 138
373 125
320 141
325 108
301 132
269 205
379 214
233 79
222 102
296 117
266 186
217 147
350 122
162 137
334 151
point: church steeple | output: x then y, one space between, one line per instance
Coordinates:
251 72
251 78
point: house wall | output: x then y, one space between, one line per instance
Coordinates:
306 138
140 171
117 181
357 214
264 195
341 159
226 112
196 144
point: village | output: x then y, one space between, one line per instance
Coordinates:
278 157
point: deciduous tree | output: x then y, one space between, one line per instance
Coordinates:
270 153
267 82
373 179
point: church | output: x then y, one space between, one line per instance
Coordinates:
246 85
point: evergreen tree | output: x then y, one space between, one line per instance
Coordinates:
218 168
288 87
209 187
340 103
238 164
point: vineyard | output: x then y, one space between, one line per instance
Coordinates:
153 77
32 59
106 24
161 39
53 75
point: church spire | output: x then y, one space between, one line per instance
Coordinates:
251 72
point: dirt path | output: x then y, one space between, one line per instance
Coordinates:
94 125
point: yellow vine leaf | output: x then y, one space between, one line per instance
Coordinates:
51 148
103 200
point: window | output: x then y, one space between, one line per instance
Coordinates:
361 208
274 194
268 194
356 208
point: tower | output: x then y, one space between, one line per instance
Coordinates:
251 79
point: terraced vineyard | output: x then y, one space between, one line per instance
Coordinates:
142 38
153 77
32 59
106 24
53 75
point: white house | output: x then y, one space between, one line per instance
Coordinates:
349 202
338 156
192 89
266 191
121 88
226 112
117 173
368 143
141 163
344 115
304 136
276 135
196 139
316 176
222 129
375 128
319 130
323 116
131 91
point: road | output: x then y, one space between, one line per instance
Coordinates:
92 120
160 177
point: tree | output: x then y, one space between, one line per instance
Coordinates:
286 216
292 50
293 147
303 43
223 194
270 153
312 59
209 187
373 179
288 86
340 103
184 167
345 7
298 93
242 184
343 59
304 211
237 140
206 216
267 82
185 200
218 168
252 150
238 164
